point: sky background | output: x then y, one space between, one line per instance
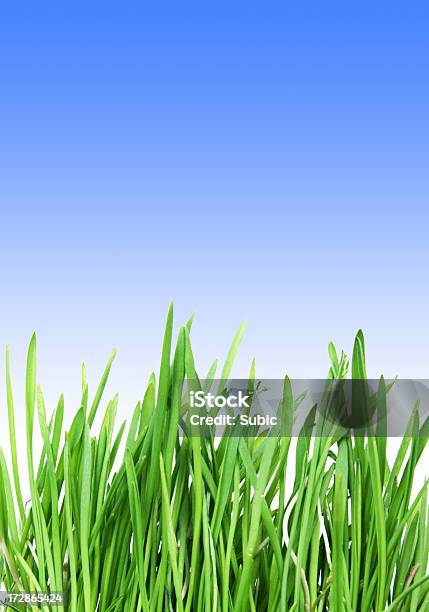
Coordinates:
261 161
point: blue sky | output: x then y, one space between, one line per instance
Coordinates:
261 161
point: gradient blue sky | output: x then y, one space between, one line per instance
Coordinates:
266 161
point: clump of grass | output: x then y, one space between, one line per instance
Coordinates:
192 524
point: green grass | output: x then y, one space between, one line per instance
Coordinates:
192 524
